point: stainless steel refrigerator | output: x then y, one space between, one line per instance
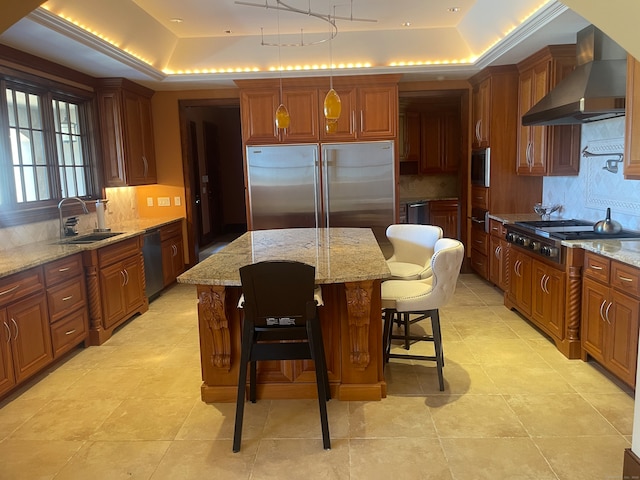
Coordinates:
322 185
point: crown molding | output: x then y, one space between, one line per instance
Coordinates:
89 40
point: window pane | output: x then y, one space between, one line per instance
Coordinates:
69 140
29 184
17 175
21 106
12 115
43 184
35 118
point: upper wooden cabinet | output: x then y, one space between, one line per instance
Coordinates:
546 150
369 109
481 113
126 132
632 121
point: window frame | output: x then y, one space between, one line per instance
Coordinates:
50 89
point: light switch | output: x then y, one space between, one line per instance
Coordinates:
164 202
149 201
177 201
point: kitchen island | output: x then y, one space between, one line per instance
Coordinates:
349 268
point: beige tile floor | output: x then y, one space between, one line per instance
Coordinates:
513 408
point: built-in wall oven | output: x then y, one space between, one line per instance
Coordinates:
480 166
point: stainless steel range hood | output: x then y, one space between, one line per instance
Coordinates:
595 90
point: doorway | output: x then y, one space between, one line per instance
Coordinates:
213 173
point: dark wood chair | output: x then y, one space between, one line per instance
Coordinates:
280 323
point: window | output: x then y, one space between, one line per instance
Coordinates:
46 150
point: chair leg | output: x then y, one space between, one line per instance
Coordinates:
437 343
407 330
245 355
253 367
389 316
317 351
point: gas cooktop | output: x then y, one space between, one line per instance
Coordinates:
572 229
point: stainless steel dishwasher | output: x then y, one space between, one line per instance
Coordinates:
152 253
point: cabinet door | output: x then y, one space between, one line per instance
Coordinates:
258 109
444 214
347 126
534 84
481 98
112 280
133 286
547 306
431 158
378 111
632 121
412 134
31 343
520 281
111 128
594 303
622 336
302 105
178 257
7 379
167 262
495 260
140 154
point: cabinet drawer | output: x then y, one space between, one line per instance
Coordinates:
625 278
479 241
480 263
496 228
597 267
65 298
69 331
63 269
480 197
119 251
20 285
171 230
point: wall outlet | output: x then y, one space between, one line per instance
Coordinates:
149 201
164 202
177 201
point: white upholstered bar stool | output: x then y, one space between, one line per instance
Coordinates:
423 298
412 250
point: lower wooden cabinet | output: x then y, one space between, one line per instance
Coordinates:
548 295
172 247
520 281
610 315
115 285
25 339
444 213
499 253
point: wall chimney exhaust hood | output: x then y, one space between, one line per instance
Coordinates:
595 90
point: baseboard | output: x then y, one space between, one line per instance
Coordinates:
631 466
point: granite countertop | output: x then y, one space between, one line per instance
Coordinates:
34 254
623 250
339 255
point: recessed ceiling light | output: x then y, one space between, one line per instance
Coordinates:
176 20
406 24
228 32
454 9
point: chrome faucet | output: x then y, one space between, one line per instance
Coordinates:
63 232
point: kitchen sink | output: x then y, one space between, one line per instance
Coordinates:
90 238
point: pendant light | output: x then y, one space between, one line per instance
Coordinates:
332 103
282 114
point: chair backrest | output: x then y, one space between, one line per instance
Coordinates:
413 243
278 293
445 265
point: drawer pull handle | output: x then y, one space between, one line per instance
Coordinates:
67 298
625 279
16 327
70 332
596 267
65 269
10 290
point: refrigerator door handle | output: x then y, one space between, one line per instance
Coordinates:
325 184
316 186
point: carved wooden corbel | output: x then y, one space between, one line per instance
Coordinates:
217 337
359 310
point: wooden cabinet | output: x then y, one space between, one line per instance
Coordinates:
632 121
499 254
444 213
548 295
67 302
25 337
610 315
479 252
369 109
258 109
116 286
172 252
546 150
126 130
481 113
520 281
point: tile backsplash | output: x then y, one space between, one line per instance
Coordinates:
122 206
588 195
428 186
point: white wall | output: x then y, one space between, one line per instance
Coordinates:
588 195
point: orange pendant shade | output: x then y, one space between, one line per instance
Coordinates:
282 117
332 105
331 126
